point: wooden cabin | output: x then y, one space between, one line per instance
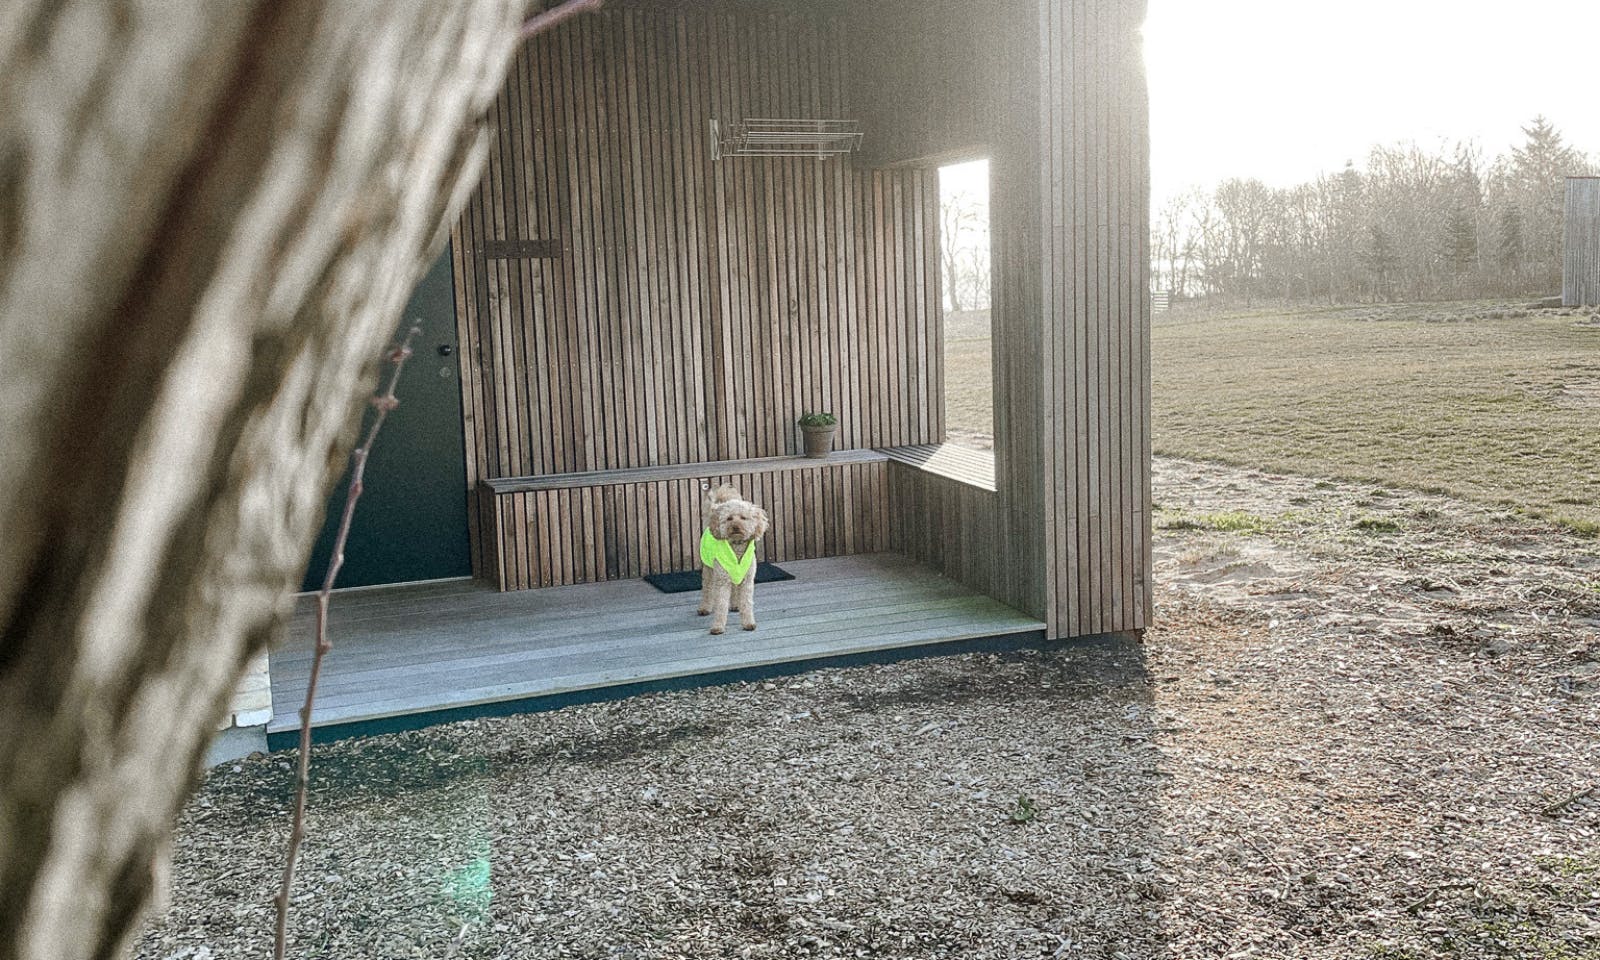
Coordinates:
629 306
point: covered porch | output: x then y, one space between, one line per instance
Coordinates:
630 307
412 655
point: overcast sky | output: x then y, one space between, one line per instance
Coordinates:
1285 89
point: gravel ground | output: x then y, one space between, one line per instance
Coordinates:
1364 728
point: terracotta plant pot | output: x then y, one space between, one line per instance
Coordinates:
819 440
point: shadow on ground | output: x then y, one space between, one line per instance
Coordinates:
973 806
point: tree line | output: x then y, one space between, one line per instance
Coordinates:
1413 224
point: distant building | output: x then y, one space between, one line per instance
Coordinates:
1580 264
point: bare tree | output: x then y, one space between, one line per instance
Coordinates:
1244 207
1414 223
209 222
959 215
975 269
1167 242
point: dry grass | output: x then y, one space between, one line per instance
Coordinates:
969 376
1475 400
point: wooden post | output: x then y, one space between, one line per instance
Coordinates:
1580 263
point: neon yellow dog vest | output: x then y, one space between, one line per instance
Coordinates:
719 553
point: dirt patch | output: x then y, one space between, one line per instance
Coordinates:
1377 560
1343 740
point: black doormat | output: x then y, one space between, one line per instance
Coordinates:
688 580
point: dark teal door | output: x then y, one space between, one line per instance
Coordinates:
411 522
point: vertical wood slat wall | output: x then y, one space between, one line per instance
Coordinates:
628 530
1093 143
1064 120
697 307
954 528
1580 257
1022 420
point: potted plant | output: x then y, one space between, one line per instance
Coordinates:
819 429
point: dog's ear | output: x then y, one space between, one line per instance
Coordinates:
719 521
762 524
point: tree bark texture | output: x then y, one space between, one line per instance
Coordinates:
211 215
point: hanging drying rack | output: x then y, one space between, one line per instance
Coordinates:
773 137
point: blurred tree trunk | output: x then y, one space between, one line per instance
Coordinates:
211 215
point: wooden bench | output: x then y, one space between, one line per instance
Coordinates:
627 523
963 464
945 512
713 470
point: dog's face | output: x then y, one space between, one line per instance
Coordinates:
739 520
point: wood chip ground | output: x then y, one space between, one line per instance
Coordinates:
1368 726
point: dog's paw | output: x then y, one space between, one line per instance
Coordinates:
749 626
702 612
715 631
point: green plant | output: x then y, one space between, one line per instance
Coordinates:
1377 525
1583 528
1024 811
819 420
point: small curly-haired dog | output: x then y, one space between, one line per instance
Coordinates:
732 527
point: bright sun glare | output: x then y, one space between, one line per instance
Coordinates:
1285 89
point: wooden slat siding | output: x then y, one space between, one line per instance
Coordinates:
1138 217
541 200
514 288
1057 100
466 370
697 308
683 314
1144 586
562 159
1066 123
727 423
1095 203
1580 263
520 224
478 385
1091 48
951 526
1025 515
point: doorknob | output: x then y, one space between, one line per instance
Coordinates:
446 349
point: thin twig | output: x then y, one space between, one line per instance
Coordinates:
1561 805
539 23
1433 894
384 402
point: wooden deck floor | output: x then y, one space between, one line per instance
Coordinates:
409 655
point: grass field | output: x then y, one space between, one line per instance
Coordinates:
969 380
1442 397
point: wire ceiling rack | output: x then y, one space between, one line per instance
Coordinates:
773 137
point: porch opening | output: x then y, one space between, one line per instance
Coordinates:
965 270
